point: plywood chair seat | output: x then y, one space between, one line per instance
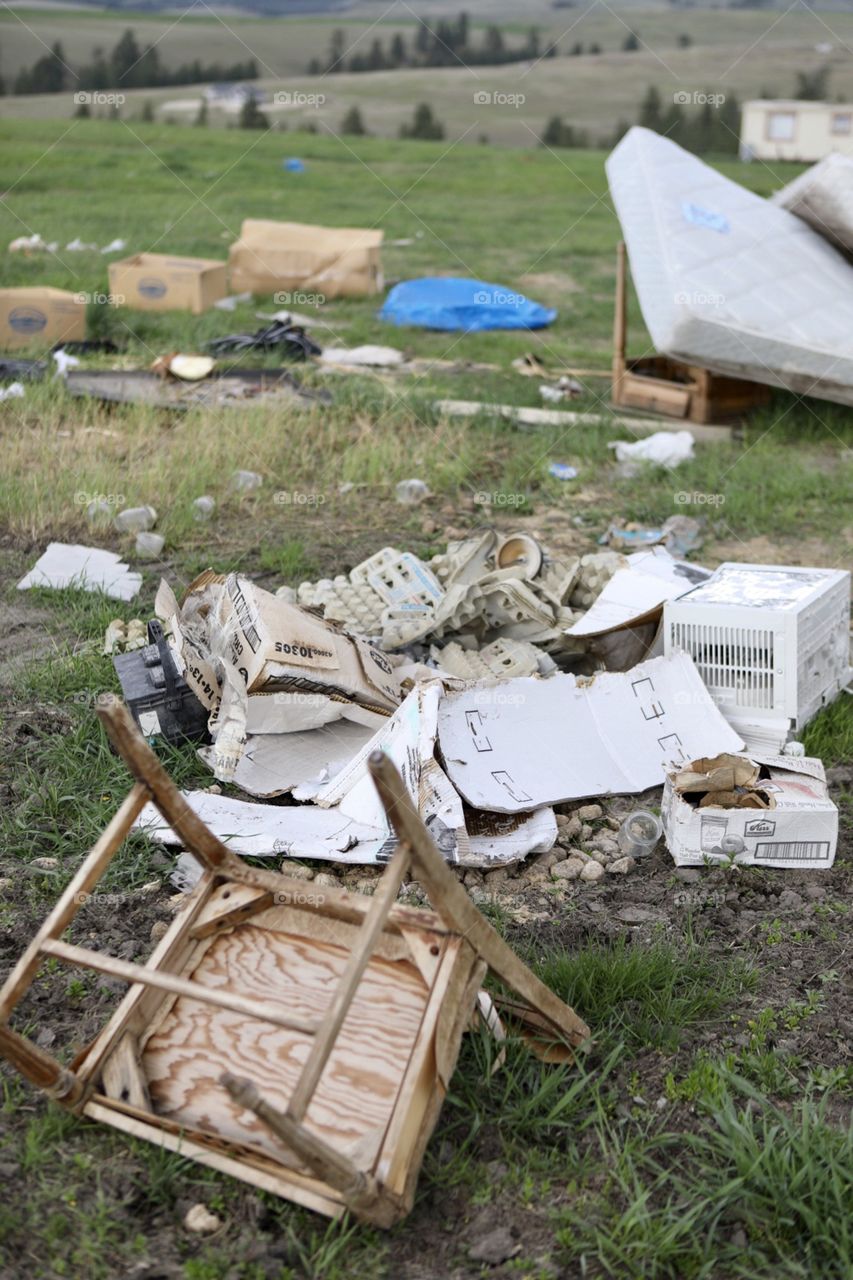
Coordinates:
301 1040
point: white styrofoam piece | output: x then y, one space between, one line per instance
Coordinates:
89 568
728 280
534 742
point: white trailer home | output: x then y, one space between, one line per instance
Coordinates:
780 129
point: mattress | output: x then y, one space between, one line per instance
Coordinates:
728 281
823 197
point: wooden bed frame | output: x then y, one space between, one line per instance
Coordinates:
659 384
298 1039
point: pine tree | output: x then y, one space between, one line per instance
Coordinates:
631 44
352 123
251 116
201 118
424 125
397 52
651 116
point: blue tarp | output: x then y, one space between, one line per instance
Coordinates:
451 302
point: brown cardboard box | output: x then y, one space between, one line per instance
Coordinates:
40 315
335 262
162 282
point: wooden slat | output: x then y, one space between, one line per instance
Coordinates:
327 1033
178 986
42 1071
81 884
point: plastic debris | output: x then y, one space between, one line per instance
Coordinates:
87 568
232 301
99 510
149 545
369 355
135 519
562 471
115 246
639 833
293 165
203 507
64 362
459 303
287 339
190 368
411 493
245 482
14 391
663 449
32 244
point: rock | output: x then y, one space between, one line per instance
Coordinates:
296 871
497 878
592 871
586 833
636 915
45 864
604 844
6 884
545 861
621 866
159 929
494 1247
562 819
201 1221
597 856
568 870
474 879
613 823
788 900
813 891
688 875
365 886
325 880
571 828
590 812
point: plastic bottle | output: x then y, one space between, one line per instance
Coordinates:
135 519
639 833
203 507
149 545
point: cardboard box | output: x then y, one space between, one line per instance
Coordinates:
799 830
331 262
40 315
161 282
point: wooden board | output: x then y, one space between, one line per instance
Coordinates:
183 1059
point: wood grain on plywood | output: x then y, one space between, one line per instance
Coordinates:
358 1089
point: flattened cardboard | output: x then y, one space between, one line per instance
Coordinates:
40 316
800 831
637 593
529 743
274 763
337 262
164 282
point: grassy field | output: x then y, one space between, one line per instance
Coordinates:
748 53
705 1134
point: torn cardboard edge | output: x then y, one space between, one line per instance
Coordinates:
64 564
798 830
529 743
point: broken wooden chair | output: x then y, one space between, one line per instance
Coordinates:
299 1039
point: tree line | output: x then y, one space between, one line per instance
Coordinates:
127 66
446 43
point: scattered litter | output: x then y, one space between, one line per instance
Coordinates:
566 388
189 368
636 593
135 519
333 262
64 362
12 370
411 493
99 511
230 388
152 684
245 482
664 449
232 301
562 471
542 742
793 749
771 643
370 355
459 303
149 545
639 833
89 568
32 244
203 507
79 246
289 340
115 246
293 165
200 1221
771 811
14 391
682 534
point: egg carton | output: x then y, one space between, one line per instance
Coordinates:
596 570
399 578
502 659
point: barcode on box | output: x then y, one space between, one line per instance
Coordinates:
793 850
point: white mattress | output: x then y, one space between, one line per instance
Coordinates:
823 197
727 280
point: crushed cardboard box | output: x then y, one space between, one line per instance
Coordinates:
710 815
336 262
164 282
